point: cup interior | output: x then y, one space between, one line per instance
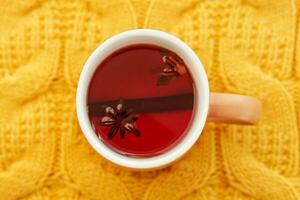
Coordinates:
201 96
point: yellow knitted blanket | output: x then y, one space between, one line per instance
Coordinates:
247 46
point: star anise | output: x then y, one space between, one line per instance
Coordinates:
120 119
173 68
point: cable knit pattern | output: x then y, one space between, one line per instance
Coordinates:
247 46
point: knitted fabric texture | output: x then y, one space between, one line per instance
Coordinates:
248 47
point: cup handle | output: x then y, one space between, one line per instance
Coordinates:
233 108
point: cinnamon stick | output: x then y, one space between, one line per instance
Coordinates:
147 105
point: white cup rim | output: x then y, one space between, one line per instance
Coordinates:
196 69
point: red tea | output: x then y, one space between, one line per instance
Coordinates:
140 100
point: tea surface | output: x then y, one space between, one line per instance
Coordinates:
140 100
